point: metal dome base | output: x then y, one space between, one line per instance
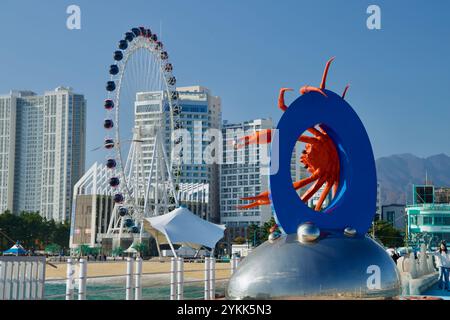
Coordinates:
335 266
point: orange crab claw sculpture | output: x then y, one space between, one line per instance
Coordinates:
319 157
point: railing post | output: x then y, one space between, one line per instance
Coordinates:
82 280
129 281
173 279
15 279
21 280
232 265
69 280
138 276
34 282
206 278
180 271
3 265
236 262
41 282
27 280
212 278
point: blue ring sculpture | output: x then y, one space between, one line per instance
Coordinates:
355 202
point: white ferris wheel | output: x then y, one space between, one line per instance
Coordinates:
139 145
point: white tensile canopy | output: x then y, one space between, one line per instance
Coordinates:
181 226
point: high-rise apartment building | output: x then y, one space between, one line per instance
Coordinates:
42 151
200 112
243 174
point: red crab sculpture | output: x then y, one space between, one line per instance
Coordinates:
319 157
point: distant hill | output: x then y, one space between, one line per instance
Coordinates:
397 174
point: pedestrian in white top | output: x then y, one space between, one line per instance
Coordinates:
442 260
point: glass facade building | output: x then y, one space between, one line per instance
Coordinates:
45 136
428 214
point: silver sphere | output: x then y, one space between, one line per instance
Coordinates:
349 232
336 267
308 232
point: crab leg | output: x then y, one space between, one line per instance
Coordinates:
323 195
304 182
316 132
336 178
306 139
263 198
281 103
311 191
308 88
260 200
259 137
265 136
325 73
345 91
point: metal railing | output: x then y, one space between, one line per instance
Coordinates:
76 285
22 278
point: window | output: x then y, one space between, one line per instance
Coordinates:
427 220
390 216
438 220
148 108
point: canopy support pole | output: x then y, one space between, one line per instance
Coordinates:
171 246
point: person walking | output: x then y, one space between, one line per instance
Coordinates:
442 260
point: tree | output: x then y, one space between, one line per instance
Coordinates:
33 231
95 251
265 229
257 235
117 252
53 248
83 250
387 234
140 248
253 234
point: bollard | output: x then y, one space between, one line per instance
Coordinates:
129 281
206 278
137 281
173 278
69 280
212 278
82 280
180 282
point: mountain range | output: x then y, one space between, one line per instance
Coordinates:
397 173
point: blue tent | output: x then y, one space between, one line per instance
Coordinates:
16 250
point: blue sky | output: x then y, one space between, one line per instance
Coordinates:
244 51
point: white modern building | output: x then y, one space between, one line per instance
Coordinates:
89 216
200 112
42 151
243 175
395 214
